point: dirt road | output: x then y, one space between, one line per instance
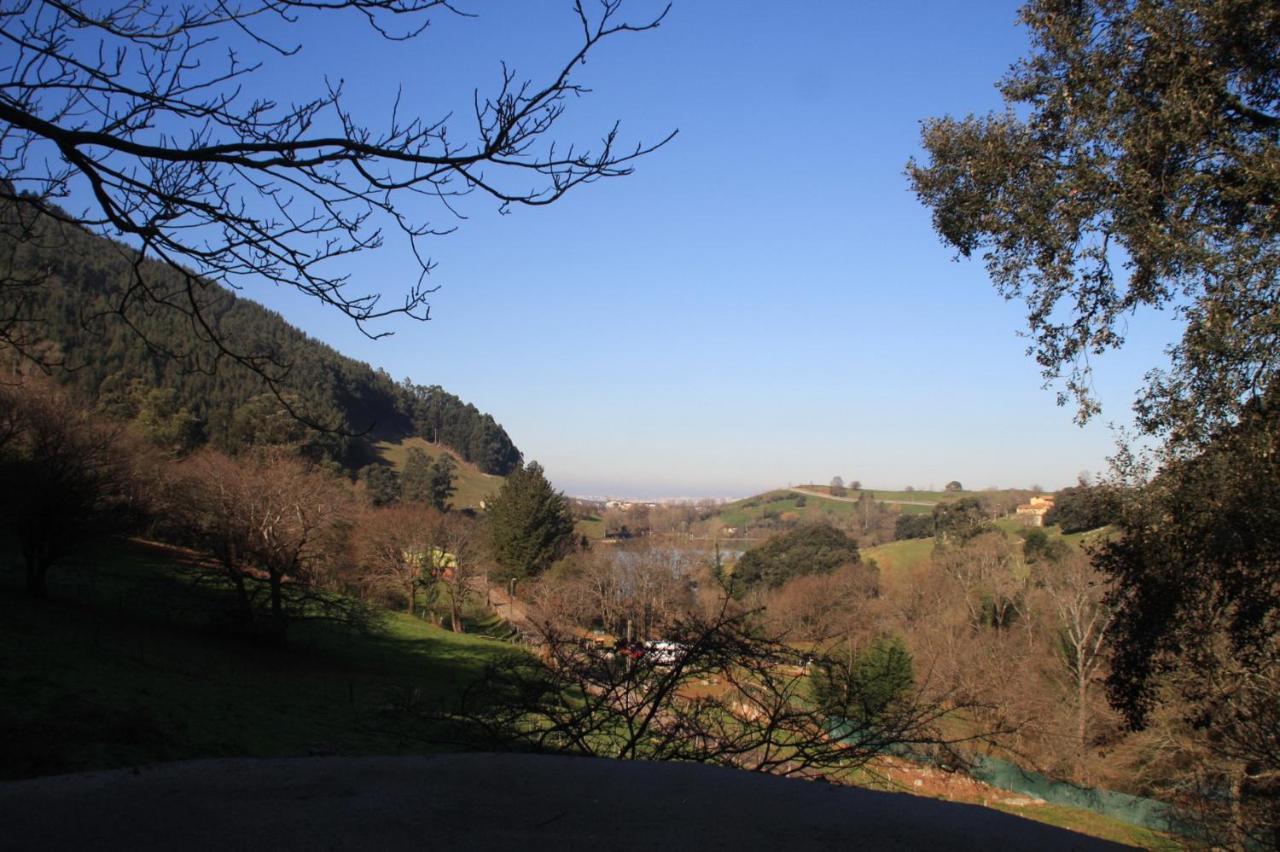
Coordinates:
821 496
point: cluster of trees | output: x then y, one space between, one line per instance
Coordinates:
285 534
809 549
422 480
954 519
1018 624
637 592
1148 132
1084 507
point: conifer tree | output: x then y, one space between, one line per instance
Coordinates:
530 525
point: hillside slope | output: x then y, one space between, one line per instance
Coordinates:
77 300
472 484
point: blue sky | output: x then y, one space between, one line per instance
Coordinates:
763 301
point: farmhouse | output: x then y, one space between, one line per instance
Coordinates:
1032 513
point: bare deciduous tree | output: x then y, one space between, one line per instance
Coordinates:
458 569
268 518
147 117
1078 592
722 694
395 548
67 476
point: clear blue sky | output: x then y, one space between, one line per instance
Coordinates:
764 301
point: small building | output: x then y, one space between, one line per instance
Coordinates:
1032 513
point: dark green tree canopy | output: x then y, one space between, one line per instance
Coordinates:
382 484
1198 555
1136 166
1084 507
865 691
415 478
913 526
428 481
530 523
961 519
807 549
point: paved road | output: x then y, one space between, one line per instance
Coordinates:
488 801
822 496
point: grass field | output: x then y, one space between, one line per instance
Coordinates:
117 669
815 506
473 486
899 556
897 496
743 512
592 527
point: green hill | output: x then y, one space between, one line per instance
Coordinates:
82 312
814 502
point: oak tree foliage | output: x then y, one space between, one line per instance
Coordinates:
1135 166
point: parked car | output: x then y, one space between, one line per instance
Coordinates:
664 653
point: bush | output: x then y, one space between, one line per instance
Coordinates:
808 549
869 688
913 526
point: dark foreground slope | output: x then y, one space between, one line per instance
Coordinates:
488 801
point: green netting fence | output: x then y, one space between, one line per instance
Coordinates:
1126 808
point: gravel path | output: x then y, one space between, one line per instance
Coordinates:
485 801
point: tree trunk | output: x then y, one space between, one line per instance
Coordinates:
242 593
1082 707
1236 833
277 609
410 590
37 574
455 614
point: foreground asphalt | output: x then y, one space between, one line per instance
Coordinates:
488 801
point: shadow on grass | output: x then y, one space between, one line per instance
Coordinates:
128 662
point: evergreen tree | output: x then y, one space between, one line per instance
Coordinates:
442 476
530 525
865 691
382 484
415 478
425 481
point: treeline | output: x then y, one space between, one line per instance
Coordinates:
77 294
283 535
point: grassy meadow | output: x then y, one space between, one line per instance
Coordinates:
124 665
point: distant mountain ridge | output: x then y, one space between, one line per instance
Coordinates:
75 284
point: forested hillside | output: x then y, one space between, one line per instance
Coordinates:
137 360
